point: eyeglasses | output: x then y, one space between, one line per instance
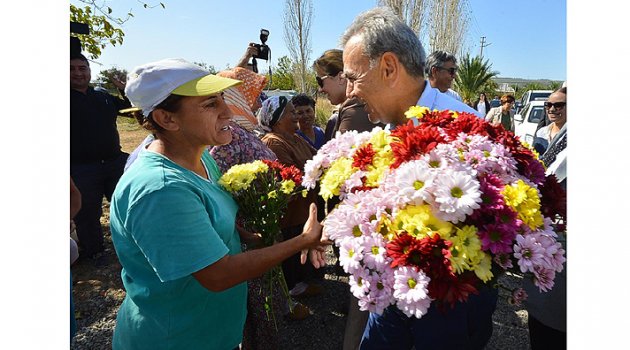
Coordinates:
558 105
320 80
451 71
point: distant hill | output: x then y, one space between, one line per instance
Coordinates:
522 82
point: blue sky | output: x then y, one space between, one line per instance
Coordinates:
527 38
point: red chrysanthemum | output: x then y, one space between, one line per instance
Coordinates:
553 200
413 141
447 291
432 256
292 173
363 156
470 124
403 250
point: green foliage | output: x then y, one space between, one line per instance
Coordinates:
473 77
323 111
534 86
105 78
104 27
554 85
282 75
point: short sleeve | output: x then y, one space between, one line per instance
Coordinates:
173 230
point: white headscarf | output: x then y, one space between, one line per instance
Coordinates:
271 111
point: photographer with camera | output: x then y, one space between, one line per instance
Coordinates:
96 158
257 51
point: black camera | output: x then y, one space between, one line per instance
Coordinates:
263 49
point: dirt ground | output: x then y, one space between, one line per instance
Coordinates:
98 292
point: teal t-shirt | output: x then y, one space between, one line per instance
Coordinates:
167 223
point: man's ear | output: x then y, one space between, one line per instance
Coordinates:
389 68
165 119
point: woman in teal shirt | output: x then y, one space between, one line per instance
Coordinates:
173 226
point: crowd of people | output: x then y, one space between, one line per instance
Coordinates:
190 265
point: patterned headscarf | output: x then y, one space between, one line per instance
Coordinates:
271 111
252 85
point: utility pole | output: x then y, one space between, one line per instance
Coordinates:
483 40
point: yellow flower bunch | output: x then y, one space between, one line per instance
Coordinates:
525 201
466 253
419 221
240 176
332 180
417 112
287 186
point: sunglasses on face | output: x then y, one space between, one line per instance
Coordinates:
320 80
451 71
558 105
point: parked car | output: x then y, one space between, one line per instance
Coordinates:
526 121
532 95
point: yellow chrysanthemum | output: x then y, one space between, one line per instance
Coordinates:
458 260
482 267
419 221
465 248
240 176
332 180
287 186
386 228
273 194
525 201
416 112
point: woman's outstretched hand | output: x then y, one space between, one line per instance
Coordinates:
312 231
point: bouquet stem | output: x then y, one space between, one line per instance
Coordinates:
273 276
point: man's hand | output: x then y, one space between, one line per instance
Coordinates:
250 52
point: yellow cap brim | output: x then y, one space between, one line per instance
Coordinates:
206 85
129 110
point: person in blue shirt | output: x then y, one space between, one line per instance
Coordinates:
173 226
305 110
383 63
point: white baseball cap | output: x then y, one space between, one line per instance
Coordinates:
151 83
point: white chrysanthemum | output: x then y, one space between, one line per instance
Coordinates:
345 222
350 255
456 195
411 291
374 252
413 180
359 285
313 171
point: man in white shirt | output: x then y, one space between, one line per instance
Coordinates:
384 66
441 69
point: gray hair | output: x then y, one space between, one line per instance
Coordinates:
437 59
382 32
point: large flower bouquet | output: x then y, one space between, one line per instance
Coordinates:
430 212
263 190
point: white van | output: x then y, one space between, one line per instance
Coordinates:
532 95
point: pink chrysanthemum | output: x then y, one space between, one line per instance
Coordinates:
379 296
528 252
518 295
411 291
504 261
497 238
544 278
374 252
